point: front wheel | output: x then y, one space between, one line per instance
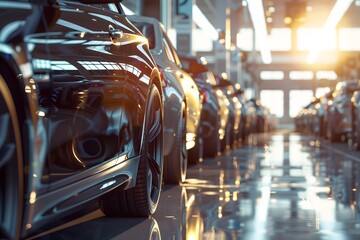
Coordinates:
10 164
213 142
142 200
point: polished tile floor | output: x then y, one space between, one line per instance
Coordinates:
280 186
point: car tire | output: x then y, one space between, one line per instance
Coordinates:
143 198
11 179
226 140
212 143
333 136
175 165
195 153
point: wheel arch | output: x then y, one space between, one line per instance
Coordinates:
8 89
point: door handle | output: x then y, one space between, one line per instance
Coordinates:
115 34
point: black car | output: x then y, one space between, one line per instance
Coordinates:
213 120
340 111
182 102
81 114
355 119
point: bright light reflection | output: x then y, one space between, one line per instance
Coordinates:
338 11
190 201
258 18
32 199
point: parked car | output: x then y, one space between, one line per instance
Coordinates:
260 125
355 118
339 111
182 100
244 124
215 112
81 114
321 114
232 129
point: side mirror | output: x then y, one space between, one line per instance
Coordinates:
149 32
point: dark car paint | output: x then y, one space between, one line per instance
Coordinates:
88 86
339 111
211 114
173 93
178 86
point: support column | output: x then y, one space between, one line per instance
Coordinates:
220 51
286 118
183 23
151 8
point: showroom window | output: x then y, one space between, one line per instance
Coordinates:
349 39
244 39
308 38
206 43
321 91
271 75
301 75
280 39
326 75
274 100
298 100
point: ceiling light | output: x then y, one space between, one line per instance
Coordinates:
287 20
201 20
338 11
257 15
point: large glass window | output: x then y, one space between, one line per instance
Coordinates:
272 75
274 100
321 91
309 38
301 75
326 75
202 41
280 39
298 100
349 39
244 39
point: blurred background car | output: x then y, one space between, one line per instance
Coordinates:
215 112
355 119
339 111
182 101
233 124
86 73
322 114
261 123
244 124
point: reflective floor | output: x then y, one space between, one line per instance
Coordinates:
280 186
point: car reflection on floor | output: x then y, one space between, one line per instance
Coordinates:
280 186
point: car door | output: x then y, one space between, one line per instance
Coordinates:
82 96
192 94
